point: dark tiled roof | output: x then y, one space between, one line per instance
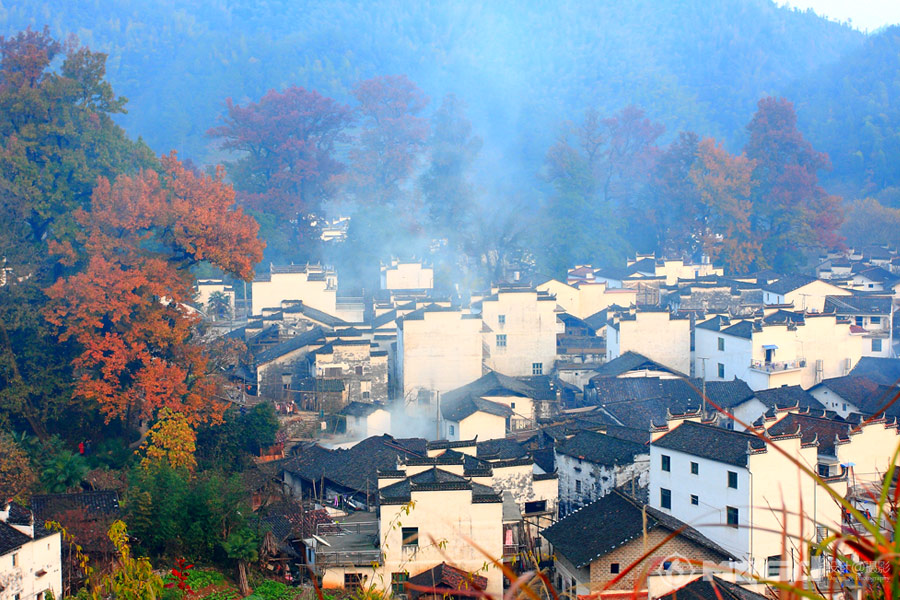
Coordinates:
885 371
500 449
712 589
316 315
11 538
786 397
446 577
741 329
784 317
710 442
99 503
640 436
859 305
295 343
460 408
649 412
867 395
812 428
492 384
727 394
360 409
610 522
631 361
788 283
435 479
601 449
356 468
879 274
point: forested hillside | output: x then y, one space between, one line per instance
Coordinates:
520 67
851 109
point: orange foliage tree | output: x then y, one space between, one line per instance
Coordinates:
126 306
722 181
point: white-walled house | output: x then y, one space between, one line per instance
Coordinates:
721 482
657 334
365 419
403 275
30 556
469 417
782 348
438 349
316 286
520 326
583 299
427 516
803 292
591 464
856 394
871 317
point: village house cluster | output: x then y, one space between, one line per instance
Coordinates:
570 425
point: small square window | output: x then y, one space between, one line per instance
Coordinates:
410 536
721 344
501 319
875 320
452 430
614 568
398 579
666 462
876 345
352 582
732 480
859 321
577 486
732 516
720 368
665 498
537 368
358 370
695 468
695 500
501 340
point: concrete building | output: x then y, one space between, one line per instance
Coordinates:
355 361
520 326
30 556
314 285
438 349
595 544
583 299
208 287
402 275
590 465
428 516
733 486
659 335
782 348
871 317
802 292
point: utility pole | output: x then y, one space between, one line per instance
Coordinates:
437 415
703 399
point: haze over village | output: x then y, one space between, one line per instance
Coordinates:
584 300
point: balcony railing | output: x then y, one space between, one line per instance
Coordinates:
774 367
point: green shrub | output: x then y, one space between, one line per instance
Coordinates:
274 590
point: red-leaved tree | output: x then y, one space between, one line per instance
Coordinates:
286 161
791 212
393 134
127 306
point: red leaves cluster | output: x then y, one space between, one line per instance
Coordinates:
393 135
288 141
179 575
127 307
